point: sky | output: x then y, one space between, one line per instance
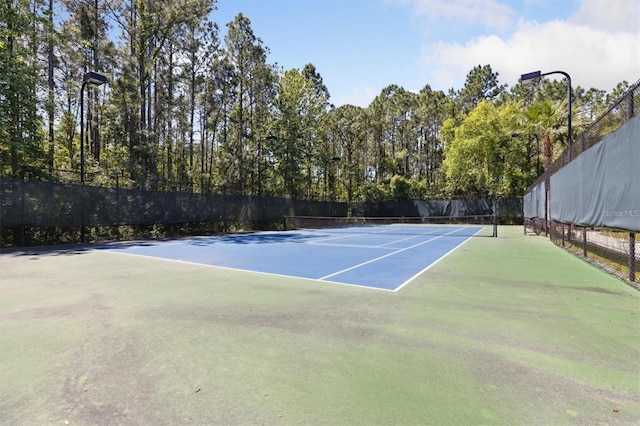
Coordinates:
359 47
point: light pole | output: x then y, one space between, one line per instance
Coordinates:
536 76
94 79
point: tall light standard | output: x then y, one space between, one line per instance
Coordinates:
94 79
534 77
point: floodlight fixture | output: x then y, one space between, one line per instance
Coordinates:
94 78
530 78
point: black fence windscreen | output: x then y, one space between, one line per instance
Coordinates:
37 204
45 204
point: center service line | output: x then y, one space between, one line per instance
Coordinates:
386 255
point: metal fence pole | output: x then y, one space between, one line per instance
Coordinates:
632 256
82 214
547 204
495 219
20 238
117 221
584 241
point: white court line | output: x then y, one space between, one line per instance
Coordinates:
431 264
386 255
248 271
320 241
400 240
350 246
378 246
338 238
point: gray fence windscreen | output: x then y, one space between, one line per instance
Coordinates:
534 204
601 187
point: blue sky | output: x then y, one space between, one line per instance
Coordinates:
361 46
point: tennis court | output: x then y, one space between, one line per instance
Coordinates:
501 331
384 257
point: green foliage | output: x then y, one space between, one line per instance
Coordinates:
548 120
481 84
400 188
301 105
21 129
186 109
375 193
347 130
481 157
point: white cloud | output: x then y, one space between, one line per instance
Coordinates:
613 16
489 13
594 55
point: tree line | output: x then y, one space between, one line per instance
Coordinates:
185 107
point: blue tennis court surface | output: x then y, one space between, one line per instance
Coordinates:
384 257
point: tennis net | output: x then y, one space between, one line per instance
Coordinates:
463 226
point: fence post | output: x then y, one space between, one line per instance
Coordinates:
82 214
20 238
632 256
117 207
547 204
584 241
495 220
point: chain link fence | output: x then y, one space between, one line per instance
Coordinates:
39 210
612 248
615 249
